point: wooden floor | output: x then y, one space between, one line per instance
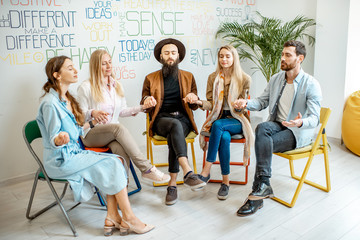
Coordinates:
200 215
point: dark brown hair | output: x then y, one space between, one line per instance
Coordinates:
52 66
299 47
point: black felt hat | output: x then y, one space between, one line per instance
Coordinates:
180 46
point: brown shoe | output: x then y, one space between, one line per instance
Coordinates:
194 182
171 196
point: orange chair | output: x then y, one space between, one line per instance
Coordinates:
132 169
237 138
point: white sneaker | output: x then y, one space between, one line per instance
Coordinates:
156 176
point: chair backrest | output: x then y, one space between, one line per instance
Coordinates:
324 117
31 131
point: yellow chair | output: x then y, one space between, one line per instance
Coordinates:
309 152
159 140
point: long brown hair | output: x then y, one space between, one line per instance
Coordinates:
54 65
96 76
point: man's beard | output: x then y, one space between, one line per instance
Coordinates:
288 67
170 70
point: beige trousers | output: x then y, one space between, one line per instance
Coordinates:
119 140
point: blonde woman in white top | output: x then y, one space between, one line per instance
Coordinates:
102 98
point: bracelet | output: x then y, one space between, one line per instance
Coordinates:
144 98
91 124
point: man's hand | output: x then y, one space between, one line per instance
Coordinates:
62 138
297 122
149 102
100 116
191 98
239 104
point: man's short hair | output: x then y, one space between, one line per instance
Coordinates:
299 47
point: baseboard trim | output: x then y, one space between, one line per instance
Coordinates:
18 179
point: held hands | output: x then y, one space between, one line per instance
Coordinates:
239 104
192 99
100 116
149 102
297 122
62 138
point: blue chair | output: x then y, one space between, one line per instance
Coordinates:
132 169
31 132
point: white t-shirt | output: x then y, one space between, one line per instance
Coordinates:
285 102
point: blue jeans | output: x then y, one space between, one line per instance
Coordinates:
270 137
219 141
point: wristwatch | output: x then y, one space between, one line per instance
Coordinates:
91 124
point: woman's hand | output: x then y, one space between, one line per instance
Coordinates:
149 102
100 116
62 138
191 98
239 104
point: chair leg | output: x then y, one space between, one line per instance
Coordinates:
137 182
231 181
151 152
30 217
327 169
102 200
303 180
58 200
147 146
193 157
166 164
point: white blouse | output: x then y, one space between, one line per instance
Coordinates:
113 103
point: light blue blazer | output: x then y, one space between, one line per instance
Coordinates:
80 167
306 100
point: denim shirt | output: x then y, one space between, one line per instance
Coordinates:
53 118
306 100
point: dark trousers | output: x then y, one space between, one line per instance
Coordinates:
175 128
270 137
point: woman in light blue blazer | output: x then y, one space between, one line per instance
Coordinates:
61 122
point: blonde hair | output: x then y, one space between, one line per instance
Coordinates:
236 71
96 76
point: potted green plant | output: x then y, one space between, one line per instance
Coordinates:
262 41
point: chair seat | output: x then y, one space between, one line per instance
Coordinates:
235 137
304 149
42 176
191 135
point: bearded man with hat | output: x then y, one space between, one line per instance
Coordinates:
170 96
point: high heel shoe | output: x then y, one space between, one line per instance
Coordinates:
125 231
109 230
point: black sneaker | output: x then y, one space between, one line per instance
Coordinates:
223 192
171 196
204 179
